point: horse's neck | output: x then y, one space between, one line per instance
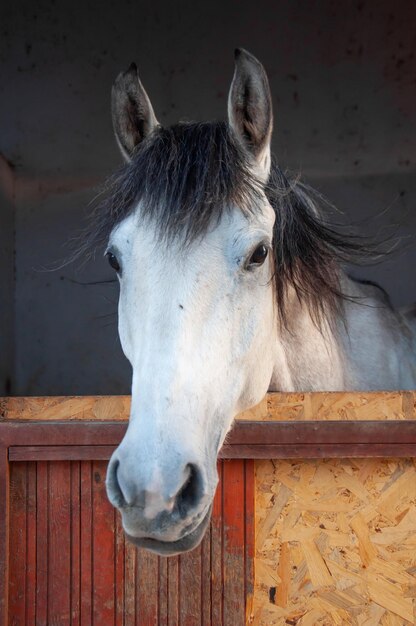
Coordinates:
379 346
368 349
307 358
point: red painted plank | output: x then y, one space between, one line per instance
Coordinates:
42 546
217 552
249 499
86 523
119 570
163 592
31 544
206 579
103 550
4 532
233 554
75 543
17 536
173 591
147 580
130 584
60 453
59 537
190 588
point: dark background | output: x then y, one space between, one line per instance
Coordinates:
343 78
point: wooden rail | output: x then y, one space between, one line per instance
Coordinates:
24 440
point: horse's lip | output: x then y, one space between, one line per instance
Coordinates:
170 548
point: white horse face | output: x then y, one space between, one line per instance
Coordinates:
196 325
196 322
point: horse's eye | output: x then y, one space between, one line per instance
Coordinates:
258 257
112 259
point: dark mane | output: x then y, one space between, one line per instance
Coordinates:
188 175
309 253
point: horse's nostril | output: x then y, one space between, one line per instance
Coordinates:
150 499
191 491
114 492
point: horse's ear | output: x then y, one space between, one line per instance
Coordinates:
133 115
250 108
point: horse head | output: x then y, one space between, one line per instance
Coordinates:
196 310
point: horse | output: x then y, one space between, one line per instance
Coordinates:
232 283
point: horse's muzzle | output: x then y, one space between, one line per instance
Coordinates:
165 516
187 542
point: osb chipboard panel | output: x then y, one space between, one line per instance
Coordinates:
379 405
101 408
335 542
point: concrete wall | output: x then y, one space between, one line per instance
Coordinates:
7 272
343 82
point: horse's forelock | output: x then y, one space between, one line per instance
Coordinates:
184 177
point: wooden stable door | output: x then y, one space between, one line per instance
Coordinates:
70 564
63 558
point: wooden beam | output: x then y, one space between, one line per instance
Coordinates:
255 440
82 433
61 453
318 451
325 432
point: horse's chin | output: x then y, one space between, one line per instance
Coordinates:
172 548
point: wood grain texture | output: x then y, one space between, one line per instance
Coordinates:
233 545
173 591
60 453
70 564
335 542
247 440
119 571
22 583
103 549
42 533
130 555
147 592
31 546
4 532
344 406
217 550
59 552
249 540
318 451
206 578
86 543
340 406
52 408
190 607
17 584
75 547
